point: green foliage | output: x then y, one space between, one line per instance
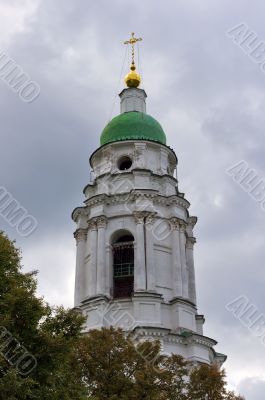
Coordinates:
206 381
50 335
113 367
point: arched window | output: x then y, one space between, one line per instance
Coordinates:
123 266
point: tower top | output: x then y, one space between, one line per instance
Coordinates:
133 79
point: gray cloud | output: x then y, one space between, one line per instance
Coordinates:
205 91
253 388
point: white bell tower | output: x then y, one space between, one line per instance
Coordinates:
134 264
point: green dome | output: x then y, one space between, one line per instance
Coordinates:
133 125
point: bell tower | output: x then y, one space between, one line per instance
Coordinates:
134 236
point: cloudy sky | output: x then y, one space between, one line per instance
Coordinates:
208 93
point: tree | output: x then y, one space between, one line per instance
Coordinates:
114 367
29 326
208 382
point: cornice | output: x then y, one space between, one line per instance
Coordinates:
172 337
195 338
79 212
136 194
146 171
182 300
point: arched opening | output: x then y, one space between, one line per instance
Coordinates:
124 163
123 266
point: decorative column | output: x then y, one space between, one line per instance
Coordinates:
101 259
150 260
81 237
190 262
184 271
139 256
176 257
92 272
109 271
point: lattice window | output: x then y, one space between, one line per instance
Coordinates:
123 266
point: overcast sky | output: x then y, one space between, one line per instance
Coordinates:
208 94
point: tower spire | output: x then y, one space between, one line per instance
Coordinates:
133 79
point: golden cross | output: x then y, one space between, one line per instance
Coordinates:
132 42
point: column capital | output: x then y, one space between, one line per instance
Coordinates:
92 224
192 221
174 223
150 217
190 241
80 234
139 216
183 226
102 221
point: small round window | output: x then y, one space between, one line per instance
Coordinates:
124 163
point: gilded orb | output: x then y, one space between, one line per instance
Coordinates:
132 79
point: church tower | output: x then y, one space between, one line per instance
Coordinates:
134 236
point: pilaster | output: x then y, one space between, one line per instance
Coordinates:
139 265
81 237
92 272
101 257
190 262
184 269
176 257
150 261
